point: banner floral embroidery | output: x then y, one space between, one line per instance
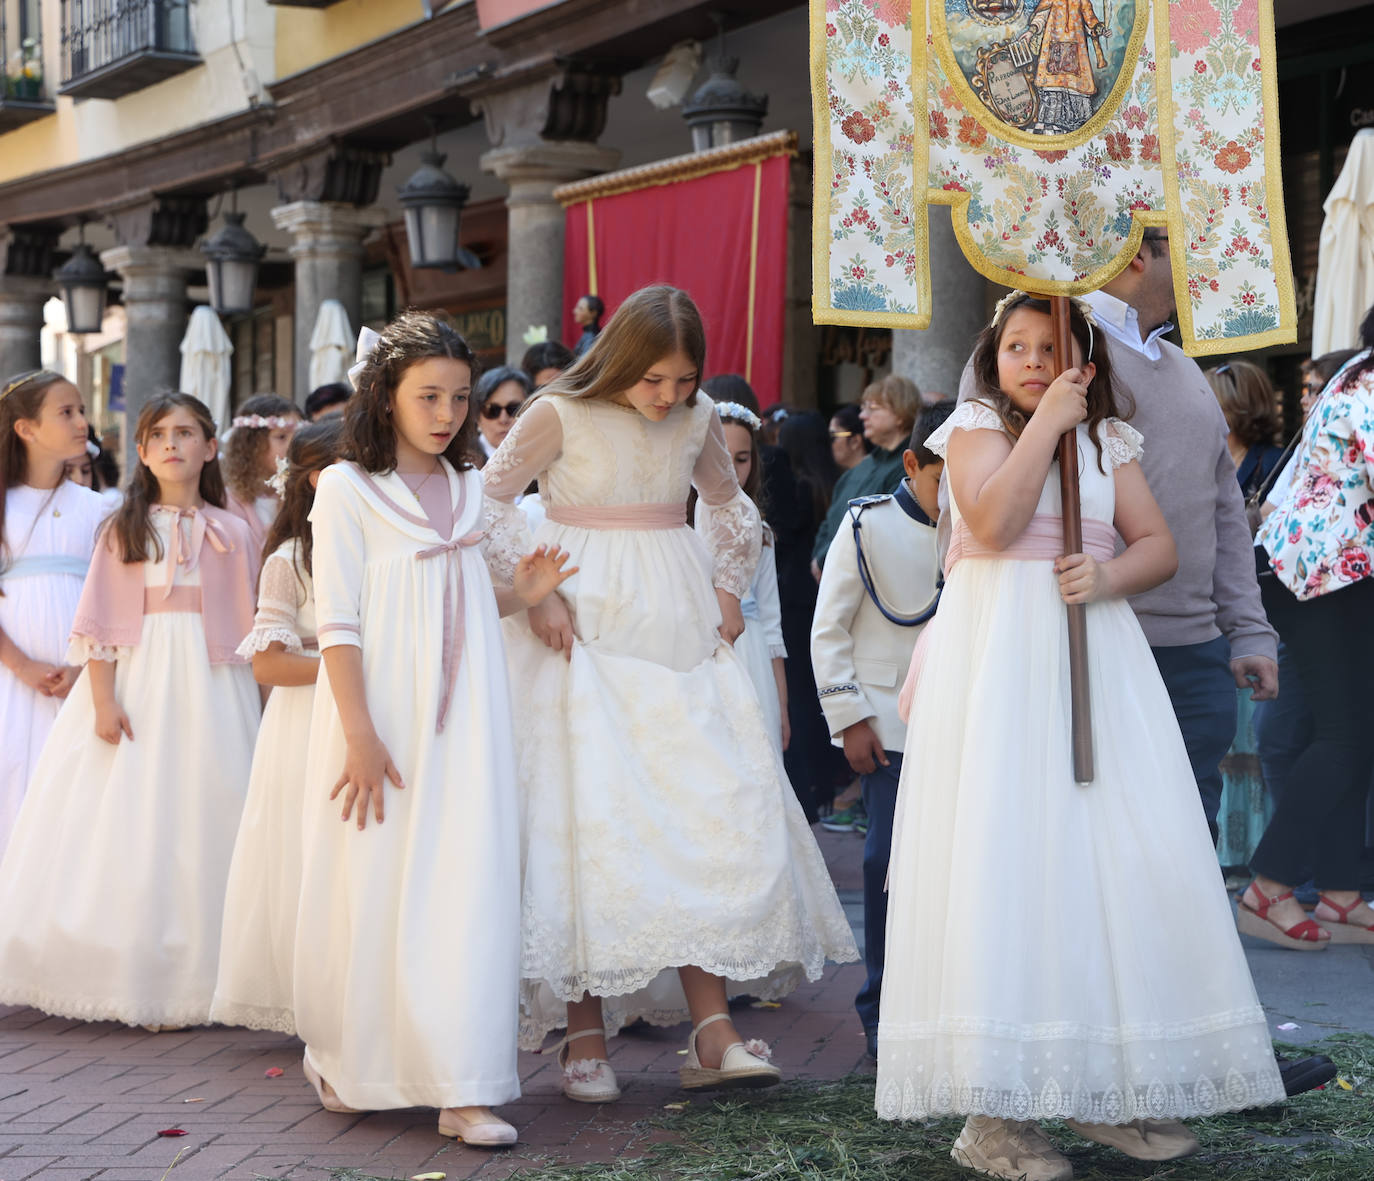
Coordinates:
1057 130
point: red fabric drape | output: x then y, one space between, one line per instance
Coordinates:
700 235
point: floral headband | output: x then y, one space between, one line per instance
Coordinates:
734 412
1082 305
257 421
25 378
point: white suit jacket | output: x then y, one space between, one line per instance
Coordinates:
859 655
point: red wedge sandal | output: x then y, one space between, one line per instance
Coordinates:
1252 918
1342 929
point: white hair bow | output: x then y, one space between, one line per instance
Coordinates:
367 341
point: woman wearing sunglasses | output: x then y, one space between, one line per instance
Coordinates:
499 395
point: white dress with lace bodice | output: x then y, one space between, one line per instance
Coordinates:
659 828
1055 950
256 949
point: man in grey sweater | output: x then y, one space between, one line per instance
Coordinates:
1206 626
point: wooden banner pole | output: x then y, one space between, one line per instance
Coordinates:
1073 544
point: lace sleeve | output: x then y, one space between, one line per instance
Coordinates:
731 525
82 648
967 416
280 596
1124 444
507 538
533 443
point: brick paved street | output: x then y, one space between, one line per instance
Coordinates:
83 1101
87 1101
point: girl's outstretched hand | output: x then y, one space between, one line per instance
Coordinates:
111 721
539 574
1065 403
731 617
1082 579
552 622
367 767
59 682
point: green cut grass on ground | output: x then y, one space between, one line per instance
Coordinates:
828 1131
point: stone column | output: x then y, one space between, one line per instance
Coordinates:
935 357
21 321
328 249
543 134
155 315
534 269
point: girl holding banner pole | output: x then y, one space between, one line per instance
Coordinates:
1026 978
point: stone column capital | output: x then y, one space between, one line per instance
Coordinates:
16 289
152 272
533 171
327 227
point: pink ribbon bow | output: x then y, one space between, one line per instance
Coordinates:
187 552
454 629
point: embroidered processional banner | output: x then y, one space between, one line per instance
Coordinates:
1057 131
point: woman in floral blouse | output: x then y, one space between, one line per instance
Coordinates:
1320 542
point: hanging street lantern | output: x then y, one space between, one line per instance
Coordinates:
433 203
232 258
82 279
722 111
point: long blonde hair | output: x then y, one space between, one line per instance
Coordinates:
651 324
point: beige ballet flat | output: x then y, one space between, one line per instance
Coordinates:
1143 1139
329 1098
482 1129
586 1080
744 1064
1010 1149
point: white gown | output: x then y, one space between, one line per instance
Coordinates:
259 940
1055 950
112 892
49 536
660 830
408 933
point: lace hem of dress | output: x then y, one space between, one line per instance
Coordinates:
507 540
260 638
734 536
273 1019
1156 1099
85 1009
1076 1031
967 416
1123 443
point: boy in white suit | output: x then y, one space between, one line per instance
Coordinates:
879 586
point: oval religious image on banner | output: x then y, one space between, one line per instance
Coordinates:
1041 67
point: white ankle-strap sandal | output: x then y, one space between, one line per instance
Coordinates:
744 1064
586 1080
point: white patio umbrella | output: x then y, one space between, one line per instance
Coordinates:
205 366
331 345
1345 254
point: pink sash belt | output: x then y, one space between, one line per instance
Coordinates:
172 599
620 516
1041 540
455 615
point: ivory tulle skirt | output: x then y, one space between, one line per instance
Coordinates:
112 891
1055 950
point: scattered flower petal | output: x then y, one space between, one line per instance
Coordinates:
172 1132
682 1052
765 1005
273 1072
1344 1086
1287 1025
675 1106
429 1177
198 1099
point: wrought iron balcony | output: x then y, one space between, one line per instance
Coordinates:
23 96
111 48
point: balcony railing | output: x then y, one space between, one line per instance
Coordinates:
113 47
23 96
